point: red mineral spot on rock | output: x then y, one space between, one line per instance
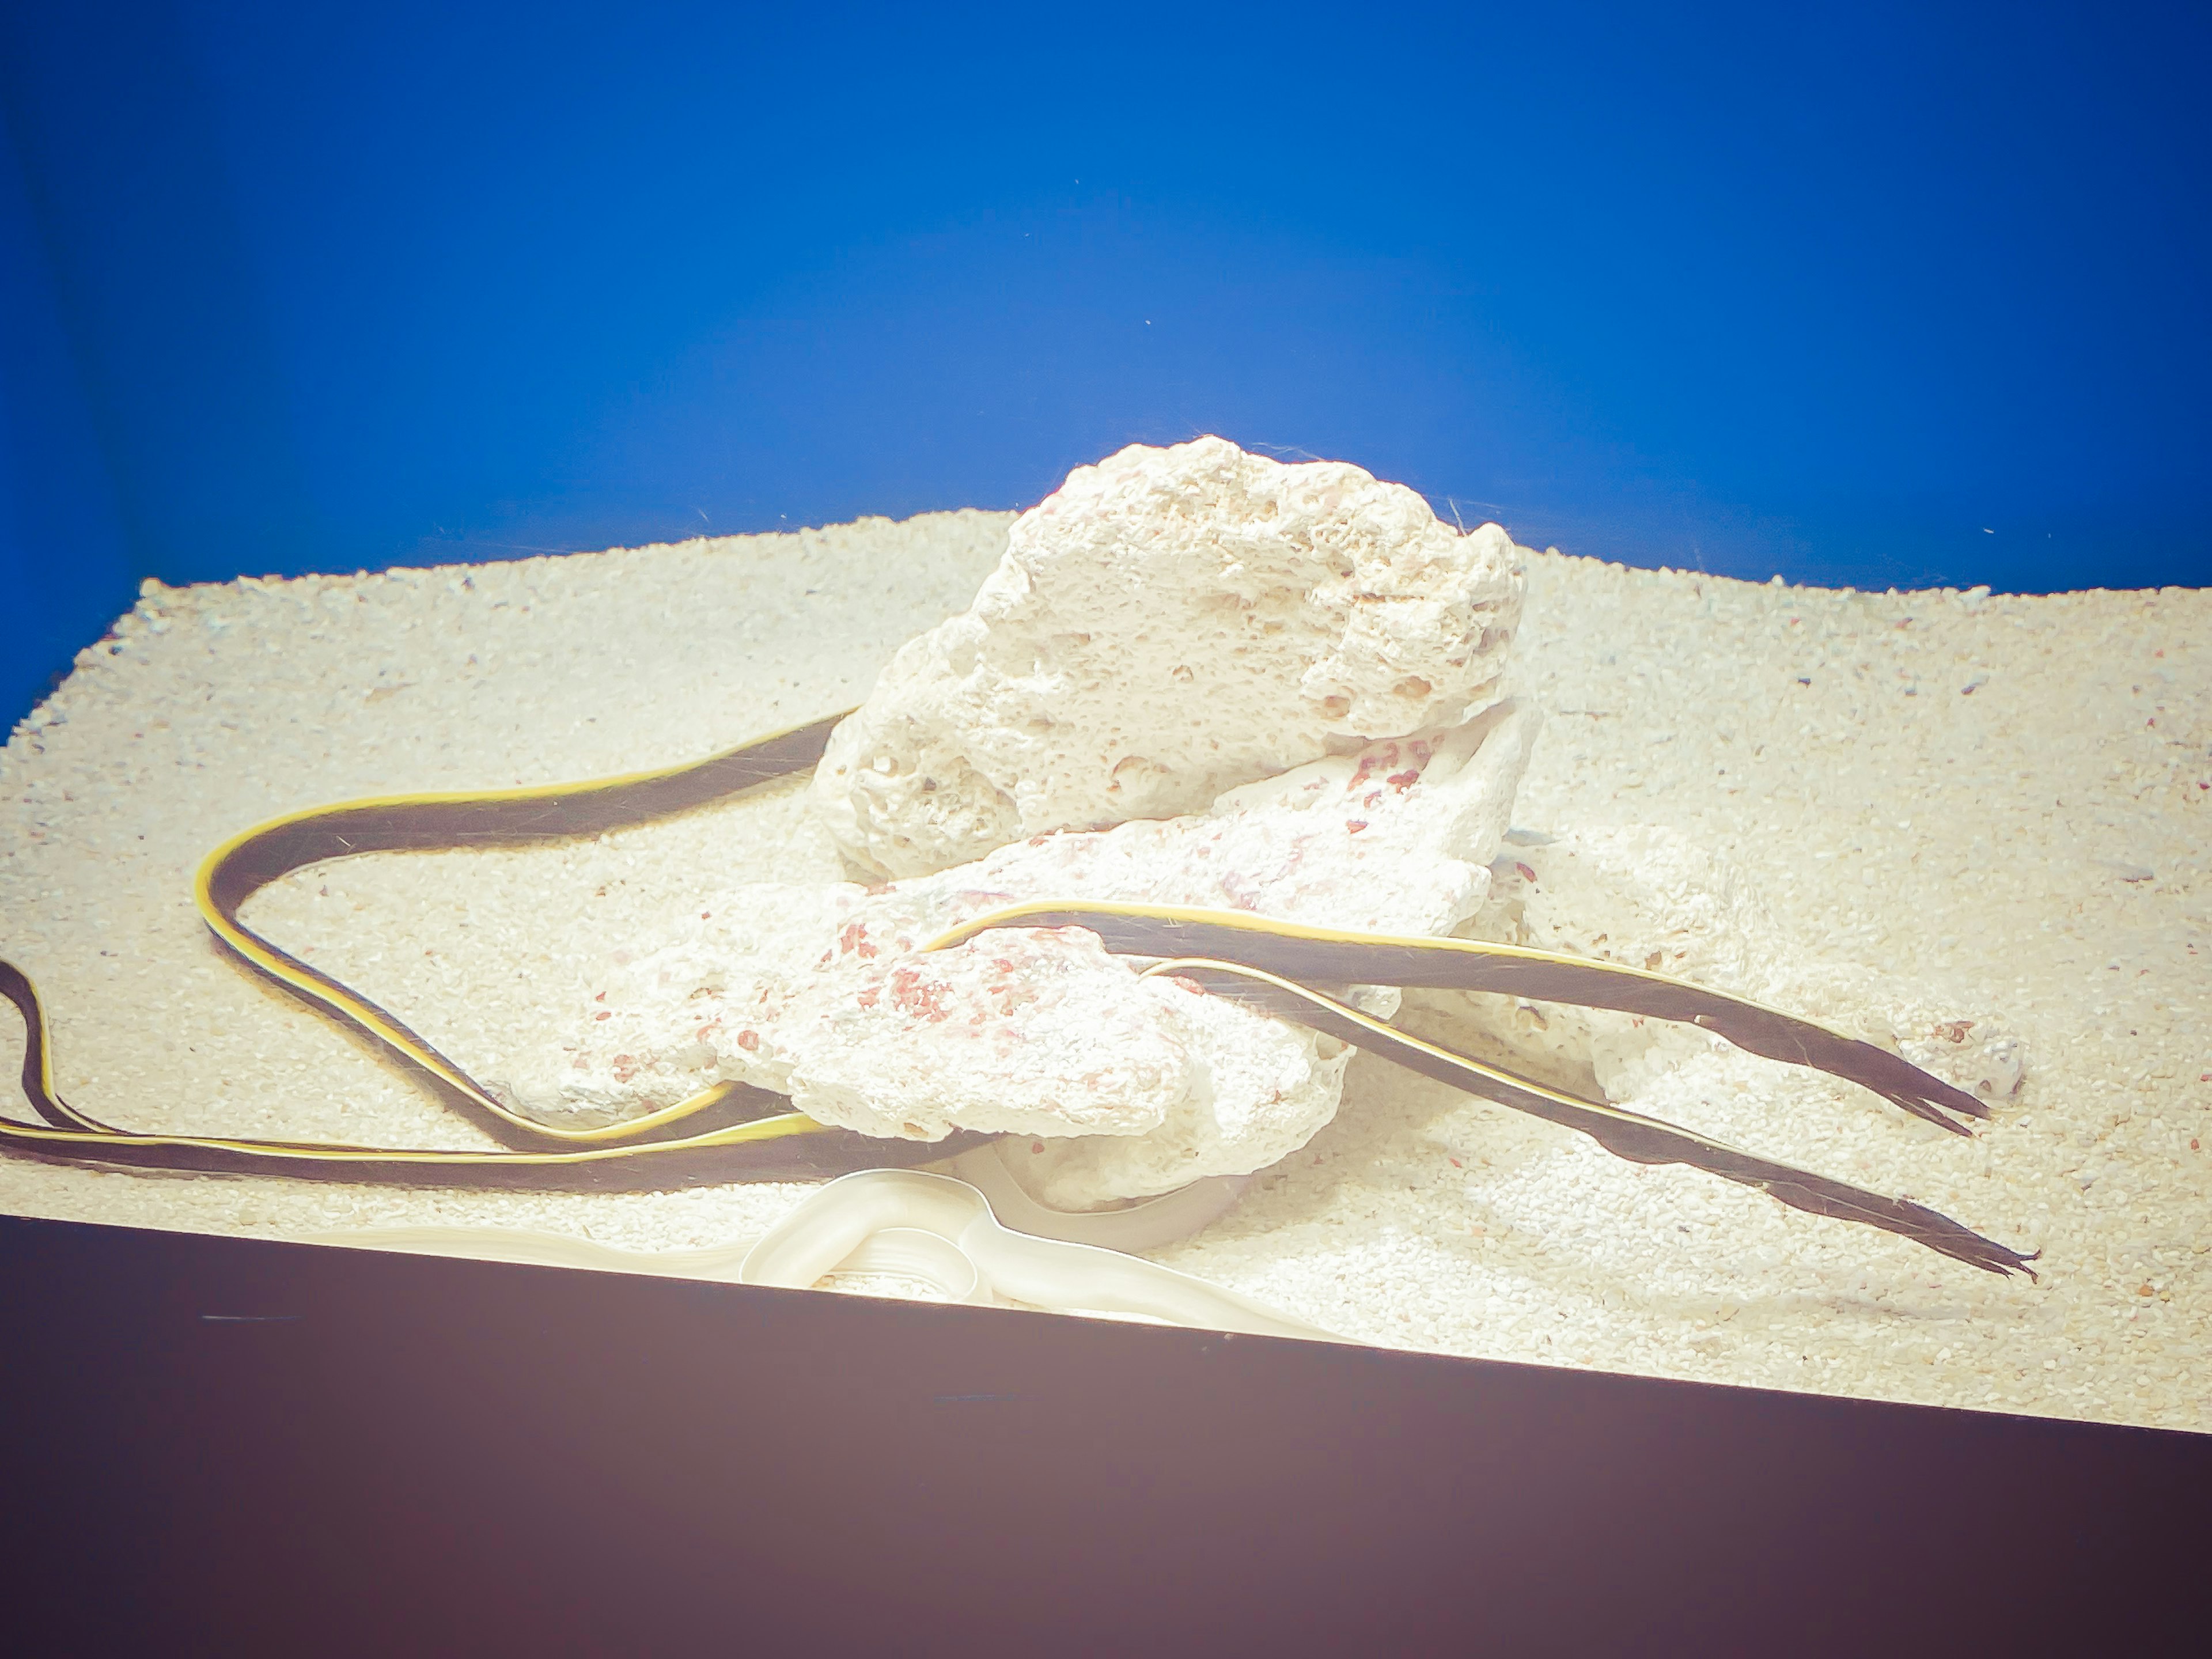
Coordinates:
910 996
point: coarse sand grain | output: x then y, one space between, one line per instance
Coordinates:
2000 802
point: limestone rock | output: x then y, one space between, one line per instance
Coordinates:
1169 624
1131 1087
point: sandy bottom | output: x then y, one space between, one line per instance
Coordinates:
2000 803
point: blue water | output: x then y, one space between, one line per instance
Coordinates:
1877 294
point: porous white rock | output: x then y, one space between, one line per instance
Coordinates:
1168 624
1129 1087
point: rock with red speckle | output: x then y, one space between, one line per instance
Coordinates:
1137 1086
1169 624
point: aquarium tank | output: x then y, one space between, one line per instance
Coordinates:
1524 685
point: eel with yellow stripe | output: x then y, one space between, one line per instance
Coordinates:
732 1132
729 1132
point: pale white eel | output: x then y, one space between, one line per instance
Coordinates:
952 1237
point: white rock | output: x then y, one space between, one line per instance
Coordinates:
1169 624
1132 1087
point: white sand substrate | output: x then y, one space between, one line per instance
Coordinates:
2004 803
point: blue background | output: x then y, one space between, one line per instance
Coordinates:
1868 293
